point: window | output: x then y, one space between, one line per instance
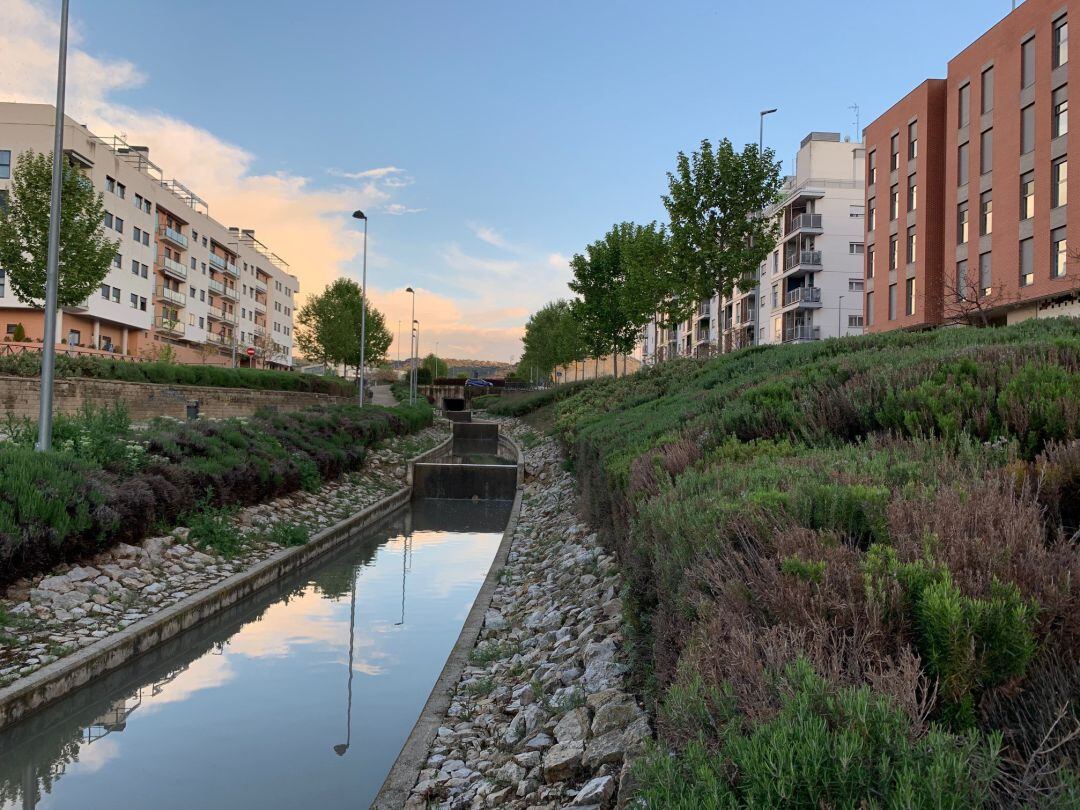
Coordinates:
139 205
870 262
1059 183
985 275
1059 114
5 164
108 220
1061 41
1059 252
912 193
909 297
194 264
871 214
962 223
986 152
1027 195
119 224
105 290
854 321
964 106
912 243
893 250
143 270
194 235
1027 262
1027 129
110 185
961 280
136 234
892 302
146 238
962 165
987 90
191 291
121 190
871 168
134 301
134 267
142 303
913 140
894 202
116 295
986 213
894 153
1027 63
855 285
870 308
854 248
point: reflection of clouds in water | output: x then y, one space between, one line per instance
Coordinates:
467 567
208 672
95 756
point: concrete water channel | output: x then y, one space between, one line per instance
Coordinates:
300 695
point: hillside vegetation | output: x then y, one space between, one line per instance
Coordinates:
851 567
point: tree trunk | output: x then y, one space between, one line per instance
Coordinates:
615 365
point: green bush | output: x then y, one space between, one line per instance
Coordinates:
289 535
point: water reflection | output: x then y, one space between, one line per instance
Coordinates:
249 709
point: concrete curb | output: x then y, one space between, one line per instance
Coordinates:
54 681
410 761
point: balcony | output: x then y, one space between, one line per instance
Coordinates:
168 326
260 306
805 224
232 270
801 332
217 314
173 268
172 296
259 331
804 297
174 236
219 340
803 260
260 286
217 262
215 287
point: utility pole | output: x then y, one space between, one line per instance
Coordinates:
52 271
363 308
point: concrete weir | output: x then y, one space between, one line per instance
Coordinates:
481 465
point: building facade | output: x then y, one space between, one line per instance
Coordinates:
181 282
811 286
987 149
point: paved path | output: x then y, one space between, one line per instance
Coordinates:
381 396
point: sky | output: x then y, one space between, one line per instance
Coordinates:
487 140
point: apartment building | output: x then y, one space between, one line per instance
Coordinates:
986 149
180 279
811 286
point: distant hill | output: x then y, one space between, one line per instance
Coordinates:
465 368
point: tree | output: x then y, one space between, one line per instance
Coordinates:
552 338
266 348
621 281
435 367
328 327
720 233
85 252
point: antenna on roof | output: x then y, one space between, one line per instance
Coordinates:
855 109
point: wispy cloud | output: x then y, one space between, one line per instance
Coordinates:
397 209
487 234
383 173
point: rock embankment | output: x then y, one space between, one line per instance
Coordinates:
541 717
48 617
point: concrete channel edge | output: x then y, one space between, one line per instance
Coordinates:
410 761
54 681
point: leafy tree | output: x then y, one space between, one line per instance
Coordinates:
435 367
328 327
552 338
719 234
85 252
620 281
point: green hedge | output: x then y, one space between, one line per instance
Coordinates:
513 404
83 498
28 364
896 512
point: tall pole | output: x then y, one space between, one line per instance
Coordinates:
399 340
52 277
416 361
761 129
412 347
341 748
363 309
839 315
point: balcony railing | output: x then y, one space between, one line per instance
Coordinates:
217 261
218 340
174 269
803 295
260 286
174 236
803 257
216 287
704 310
812 221
232 270
802 332
260 307
217 314
172 296
172 326
748 316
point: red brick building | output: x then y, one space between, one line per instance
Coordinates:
968 179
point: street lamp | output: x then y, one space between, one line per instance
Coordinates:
341 748
52 269
412 348
761 129
839 315
363 306
416 359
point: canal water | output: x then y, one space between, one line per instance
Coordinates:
300 697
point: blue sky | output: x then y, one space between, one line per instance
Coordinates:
519 131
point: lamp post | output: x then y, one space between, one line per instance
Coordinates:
416 360
839 315
363 306
761 129
52 271
341 748
412 348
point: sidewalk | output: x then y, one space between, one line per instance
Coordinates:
381 395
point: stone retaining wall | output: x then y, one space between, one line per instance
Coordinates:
20 396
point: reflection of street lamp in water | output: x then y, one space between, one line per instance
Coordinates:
341 748
404 562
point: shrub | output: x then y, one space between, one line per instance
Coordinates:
213 528
289 535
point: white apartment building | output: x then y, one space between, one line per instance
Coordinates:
811 286
180 278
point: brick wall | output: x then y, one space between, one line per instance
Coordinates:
20 395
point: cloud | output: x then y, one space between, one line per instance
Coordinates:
369 174
397 209
489 235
